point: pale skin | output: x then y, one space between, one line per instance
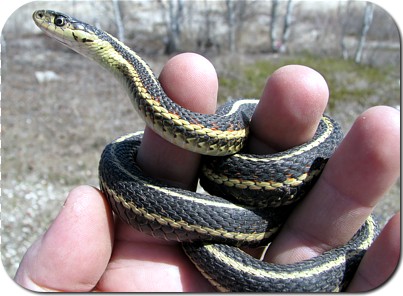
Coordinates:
87 249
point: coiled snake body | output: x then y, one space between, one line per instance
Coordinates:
259 191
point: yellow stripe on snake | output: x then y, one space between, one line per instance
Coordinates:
251 197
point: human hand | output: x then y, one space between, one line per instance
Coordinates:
85 249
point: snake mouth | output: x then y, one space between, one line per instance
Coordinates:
49 18
45 19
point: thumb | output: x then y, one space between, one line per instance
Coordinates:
74 252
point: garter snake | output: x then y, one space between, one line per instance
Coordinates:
212 227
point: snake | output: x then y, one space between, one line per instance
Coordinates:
250 195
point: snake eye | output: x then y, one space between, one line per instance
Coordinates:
60 21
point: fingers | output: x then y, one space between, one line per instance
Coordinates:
140 262
289 111
143 263
380 261
191 81
82 232
361 170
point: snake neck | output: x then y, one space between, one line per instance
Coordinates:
214 134
126 65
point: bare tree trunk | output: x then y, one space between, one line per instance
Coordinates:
206 40
286 27
273 18
343 16
3 49
118 19
368 16
174 23
280 44
231 25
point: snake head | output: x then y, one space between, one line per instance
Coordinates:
63 28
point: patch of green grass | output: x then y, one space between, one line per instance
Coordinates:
347 80
245 81
350 81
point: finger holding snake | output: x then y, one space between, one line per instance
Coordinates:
294 90
381 259
191 81
355 179
288 114
140 261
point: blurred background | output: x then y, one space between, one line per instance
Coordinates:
59 110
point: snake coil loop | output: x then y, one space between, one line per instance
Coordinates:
212 227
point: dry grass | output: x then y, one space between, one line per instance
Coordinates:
52 136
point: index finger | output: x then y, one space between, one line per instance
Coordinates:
191 81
